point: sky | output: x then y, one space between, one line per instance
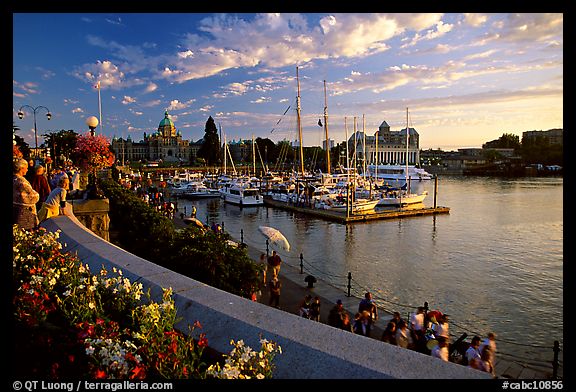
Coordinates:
464 79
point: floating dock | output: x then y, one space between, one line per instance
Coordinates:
377 214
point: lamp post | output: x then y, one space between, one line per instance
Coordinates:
92 123
21 116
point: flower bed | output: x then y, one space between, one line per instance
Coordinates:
69 322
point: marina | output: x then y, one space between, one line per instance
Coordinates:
376 214
486 263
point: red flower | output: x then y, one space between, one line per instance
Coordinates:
100 374
138 373
203 341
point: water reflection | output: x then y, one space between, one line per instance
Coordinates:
494 262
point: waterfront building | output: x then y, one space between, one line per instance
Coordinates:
391 146
552 136
241 150
165 144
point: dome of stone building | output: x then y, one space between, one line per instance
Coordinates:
166 126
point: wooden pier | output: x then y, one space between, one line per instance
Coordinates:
377 214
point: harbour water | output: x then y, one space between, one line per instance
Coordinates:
494 263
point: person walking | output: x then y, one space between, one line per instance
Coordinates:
24 197
417 329
40 184
263 265
403 335
274 263
304 306
489 342
368 305
275 287
472 355
336 315
441 350
315 309
389 334
56 201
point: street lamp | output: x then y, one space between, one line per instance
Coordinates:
92 123
21 116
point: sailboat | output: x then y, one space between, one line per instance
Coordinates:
238 190
349 203
402 196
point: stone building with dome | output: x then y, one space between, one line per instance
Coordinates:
164 144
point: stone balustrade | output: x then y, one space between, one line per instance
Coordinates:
310 350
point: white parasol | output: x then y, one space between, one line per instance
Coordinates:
275 237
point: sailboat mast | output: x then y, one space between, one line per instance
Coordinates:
346 132
224 149
253 155
299 124
377 157
355 151
364 145
407 140
326 130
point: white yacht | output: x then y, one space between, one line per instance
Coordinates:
242 194
194 190
397 173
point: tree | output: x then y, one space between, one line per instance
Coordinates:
61 144
210 149
22 146
507 140
267 150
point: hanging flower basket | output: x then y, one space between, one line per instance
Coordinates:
91 154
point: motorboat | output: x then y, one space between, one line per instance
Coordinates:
401 198
398 173
194 190
241 193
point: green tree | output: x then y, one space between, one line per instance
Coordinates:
266 149
507 140
210 149
22 145
61 144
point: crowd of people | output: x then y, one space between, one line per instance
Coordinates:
425 332
38 195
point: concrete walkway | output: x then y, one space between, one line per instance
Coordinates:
294 289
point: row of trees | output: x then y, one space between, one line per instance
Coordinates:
531 150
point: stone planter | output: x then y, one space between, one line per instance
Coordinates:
93 214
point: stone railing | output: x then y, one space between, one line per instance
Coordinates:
310 350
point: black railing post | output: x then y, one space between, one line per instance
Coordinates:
301 263
242 237
267 252
349 282
555 362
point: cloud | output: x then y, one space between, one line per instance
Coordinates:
475 20
177 105
261 100
425 76
440 29
128 100
151 87
533 27
277 40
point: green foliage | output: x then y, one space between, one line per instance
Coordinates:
539 150
61 143
193 252
210 149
